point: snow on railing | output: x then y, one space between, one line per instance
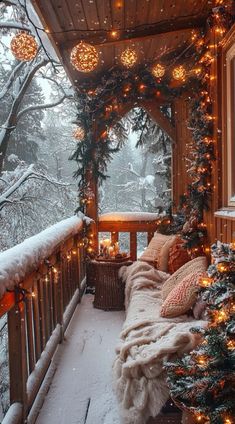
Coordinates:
128 216
129 222
23 258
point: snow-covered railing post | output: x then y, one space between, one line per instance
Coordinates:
41 282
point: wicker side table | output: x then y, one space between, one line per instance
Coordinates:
109 289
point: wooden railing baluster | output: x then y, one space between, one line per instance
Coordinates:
30 338
133 246
36 322
17 355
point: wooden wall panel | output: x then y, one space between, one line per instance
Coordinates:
225 229
180 177
220 227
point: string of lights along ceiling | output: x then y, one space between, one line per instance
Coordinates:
85 57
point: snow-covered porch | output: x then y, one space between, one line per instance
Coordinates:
42 282
81 390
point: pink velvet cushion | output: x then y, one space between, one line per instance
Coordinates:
183 296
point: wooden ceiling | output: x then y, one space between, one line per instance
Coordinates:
152 27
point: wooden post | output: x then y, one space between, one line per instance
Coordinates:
18 355
133 246
92 207
114 237
60 306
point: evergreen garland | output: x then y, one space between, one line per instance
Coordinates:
203 382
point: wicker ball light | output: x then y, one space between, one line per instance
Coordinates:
179 73
158 70
84 57
24 47
79 134
129 58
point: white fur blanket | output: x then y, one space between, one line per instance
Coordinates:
147 340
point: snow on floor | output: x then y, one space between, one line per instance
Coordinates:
83 379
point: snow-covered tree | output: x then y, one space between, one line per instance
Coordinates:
18 76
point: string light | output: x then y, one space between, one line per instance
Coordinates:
24 47
222 267
114 34
179 73
220 316
79 133
231 345
205 281
84 57
158 70
129 57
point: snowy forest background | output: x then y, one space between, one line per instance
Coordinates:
37 188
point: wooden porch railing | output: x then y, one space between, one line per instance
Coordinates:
129 222
38 311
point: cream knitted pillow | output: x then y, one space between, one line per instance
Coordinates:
197 264
152 252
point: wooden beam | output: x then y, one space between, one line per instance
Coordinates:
153 109
101 38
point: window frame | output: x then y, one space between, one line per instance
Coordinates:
228 117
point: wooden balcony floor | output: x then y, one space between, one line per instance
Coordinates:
81 390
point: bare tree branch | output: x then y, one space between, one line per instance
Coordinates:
11 80
29 174
42 106
14 25
10 2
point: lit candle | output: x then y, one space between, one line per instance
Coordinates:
106 242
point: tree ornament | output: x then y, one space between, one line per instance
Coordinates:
129 57
84 57
158 70
24 47
79 134
179 73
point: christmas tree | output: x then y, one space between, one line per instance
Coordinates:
203 382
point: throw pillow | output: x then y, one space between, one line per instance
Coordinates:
182 297
178 255
197 264
163 258
152 252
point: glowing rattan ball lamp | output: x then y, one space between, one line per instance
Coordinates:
129 58
158 70
179 73
24 47
84 57
79 133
